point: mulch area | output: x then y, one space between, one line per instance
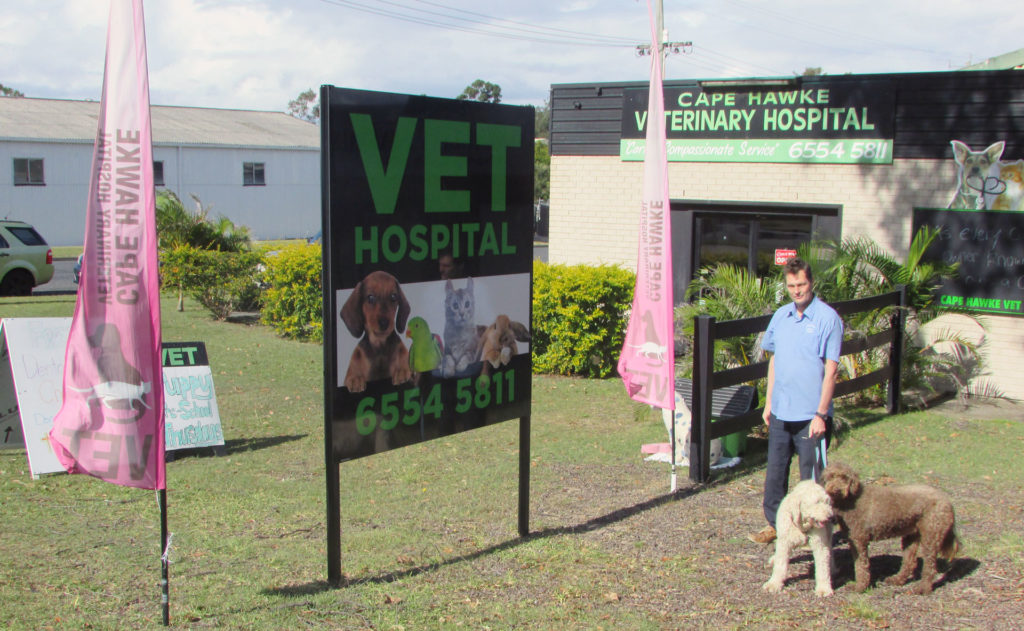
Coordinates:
628 511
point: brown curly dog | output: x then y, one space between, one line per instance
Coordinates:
922 515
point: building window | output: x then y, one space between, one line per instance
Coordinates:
749 235
748 241
28 172
158 173
253 174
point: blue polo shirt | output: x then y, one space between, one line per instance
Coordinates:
801 345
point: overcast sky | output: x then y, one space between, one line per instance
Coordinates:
260 54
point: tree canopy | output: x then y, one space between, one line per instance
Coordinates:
483 91
5 91
306 106
542 121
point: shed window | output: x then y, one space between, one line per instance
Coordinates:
253 174
28 172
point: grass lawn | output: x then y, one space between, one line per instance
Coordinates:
429 532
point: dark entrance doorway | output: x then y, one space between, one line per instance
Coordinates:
744 234
747 240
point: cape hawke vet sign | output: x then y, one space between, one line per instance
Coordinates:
813 122
428 228
988 246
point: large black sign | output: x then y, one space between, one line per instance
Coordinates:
989 246
814 122
428 228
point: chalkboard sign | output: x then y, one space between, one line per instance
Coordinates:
989 246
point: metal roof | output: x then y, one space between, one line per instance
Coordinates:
53 120
1008 61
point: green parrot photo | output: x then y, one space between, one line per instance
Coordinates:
425 352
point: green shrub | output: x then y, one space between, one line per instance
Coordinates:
293 300
579 320
176 225
220 281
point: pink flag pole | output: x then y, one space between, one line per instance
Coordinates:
111 422
647 361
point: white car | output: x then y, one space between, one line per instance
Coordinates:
26 261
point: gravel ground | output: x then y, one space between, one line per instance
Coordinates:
707 527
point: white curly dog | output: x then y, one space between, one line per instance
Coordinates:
804 517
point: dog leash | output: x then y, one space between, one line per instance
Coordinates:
820 459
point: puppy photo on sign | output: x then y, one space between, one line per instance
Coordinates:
458 316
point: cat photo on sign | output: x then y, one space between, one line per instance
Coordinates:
457 313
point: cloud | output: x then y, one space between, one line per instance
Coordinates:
260 54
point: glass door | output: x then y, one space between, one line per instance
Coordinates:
746 240
722 240
778 233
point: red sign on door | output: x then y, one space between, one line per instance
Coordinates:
783 255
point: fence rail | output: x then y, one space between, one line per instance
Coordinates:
706 380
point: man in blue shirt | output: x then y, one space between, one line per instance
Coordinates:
804 338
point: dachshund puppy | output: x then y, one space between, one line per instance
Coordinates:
377 312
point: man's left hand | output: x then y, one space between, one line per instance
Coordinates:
817 427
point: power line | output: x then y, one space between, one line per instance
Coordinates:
530 33
456 19
612 39
742 62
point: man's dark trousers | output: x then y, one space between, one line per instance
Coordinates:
785 438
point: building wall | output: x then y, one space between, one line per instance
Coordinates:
57 209
602 193
287 207
594 218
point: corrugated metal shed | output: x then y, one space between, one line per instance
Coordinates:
53 120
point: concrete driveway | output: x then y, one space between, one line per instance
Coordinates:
63 281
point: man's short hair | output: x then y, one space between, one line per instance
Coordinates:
796 265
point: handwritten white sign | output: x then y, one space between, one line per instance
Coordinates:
34 349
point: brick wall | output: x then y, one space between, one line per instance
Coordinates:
594 215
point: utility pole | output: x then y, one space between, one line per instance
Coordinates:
664 46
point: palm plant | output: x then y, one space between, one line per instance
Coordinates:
728 292
176 225
847 270
859 267
182 236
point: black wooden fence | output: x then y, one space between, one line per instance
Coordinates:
706 380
